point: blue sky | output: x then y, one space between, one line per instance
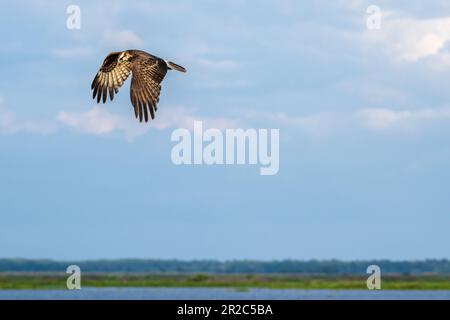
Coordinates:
364 119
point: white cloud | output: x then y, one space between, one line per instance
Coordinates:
374 120
9 123
98 121
319 124
199 55
381 120
410 39
185 117
122 40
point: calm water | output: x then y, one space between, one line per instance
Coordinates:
217 294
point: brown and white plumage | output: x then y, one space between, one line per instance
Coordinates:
148 73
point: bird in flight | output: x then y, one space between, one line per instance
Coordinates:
148 73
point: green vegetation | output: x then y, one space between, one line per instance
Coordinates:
239 282
240 275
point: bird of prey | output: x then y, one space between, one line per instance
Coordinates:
148 73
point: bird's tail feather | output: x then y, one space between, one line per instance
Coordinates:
174 66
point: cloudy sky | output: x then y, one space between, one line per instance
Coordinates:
364 119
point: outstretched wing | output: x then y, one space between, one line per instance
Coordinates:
146 86
110 77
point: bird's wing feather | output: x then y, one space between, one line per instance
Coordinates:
146 86
110 77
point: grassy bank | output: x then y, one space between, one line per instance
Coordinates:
58 281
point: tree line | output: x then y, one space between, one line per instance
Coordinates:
327 267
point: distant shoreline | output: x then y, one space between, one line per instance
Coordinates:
238 274
156 266
27 281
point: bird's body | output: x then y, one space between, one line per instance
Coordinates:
148 73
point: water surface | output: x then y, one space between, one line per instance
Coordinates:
218 294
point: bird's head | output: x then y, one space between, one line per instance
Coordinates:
125 56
